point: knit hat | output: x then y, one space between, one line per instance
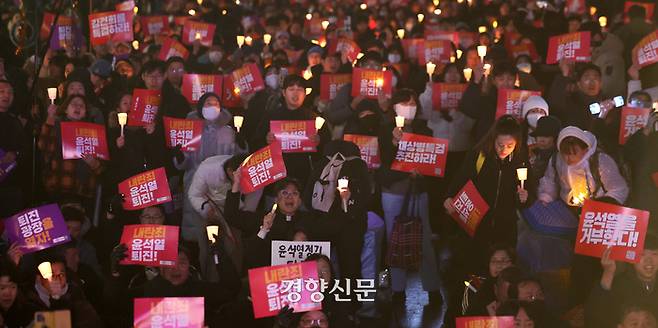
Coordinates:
102 68
534 102
316 49
547 126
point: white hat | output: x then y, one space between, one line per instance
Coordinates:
534 102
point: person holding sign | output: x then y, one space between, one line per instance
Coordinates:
405 194
73 177
635 287
172 102
492 169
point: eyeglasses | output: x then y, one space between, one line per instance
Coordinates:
317 322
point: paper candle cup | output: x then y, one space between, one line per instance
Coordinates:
459 54
267 38
240 40
197 36
603 21
482 51
482 29
319 122
400 32
123 118
52 94
135 45
307 74
325 24
237 122
522 173
46 270
468 72
487 69
248 40
273 208
399 121
308 91
343 183
359 55
421 17
212 231
430 67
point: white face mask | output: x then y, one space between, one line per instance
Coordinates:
533 118
272 81
215 57
524 67
210 113
394 58
406 111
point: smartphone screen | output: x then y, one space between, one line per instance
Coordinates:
542 4
619 101
595 109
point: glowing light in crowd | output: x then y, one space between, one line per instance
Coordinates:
192 12
135 45
224 12
123 120
319 121
421 17
487 69
494 24
592 11
435 2
400 32
459 54
307 74
248 40
482 29
359 55
468 72
237 121
399 121
46 270
309 16
325 24
212 231
603 21
135 10
314 41
430 67
363 6
452 59
308 91
197 36
482 52
267 38
240 39
522 174
437 11
52 94
200 2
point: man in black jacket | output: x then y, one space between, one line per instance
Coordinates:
11 146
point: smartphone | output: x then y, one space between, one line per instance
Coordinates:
619 101
542 4
595 109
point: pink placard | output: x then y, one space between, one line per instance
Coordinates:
146 189
80 138
178 312
150 244
424 154
294 136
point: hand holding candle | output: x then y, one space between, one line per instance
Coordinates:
319 122
52 94
237 122
212 232
522 174
399 121
123 120
343 184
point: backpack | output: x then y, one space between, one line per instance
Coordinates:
324 189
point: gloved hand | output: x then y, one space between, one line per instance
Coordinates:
284 317
118 254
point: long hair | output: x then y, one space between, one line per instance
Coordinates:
505 125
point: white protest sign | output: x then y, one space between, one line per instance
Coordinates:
286 252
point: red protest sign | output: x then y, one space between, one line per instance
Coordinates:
154 25
425 154
193 30
294 136
48 22
150 244
523 48
195 85
432 35
80 138
345 46
273 287
412 47
369 148
369 83
180 20
179 312
186 133
247 79
331 83
125 6
172 48
446 96
604 225
231 95
116 26
264 167
510 102
649 8
144 108
146 189
435 51
632 120
469 207
644 52
482 322
569 46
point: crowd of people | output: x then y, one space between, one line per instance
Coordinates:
510 266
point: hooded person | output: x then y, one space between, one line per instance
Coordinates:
582 172
534 108
218 138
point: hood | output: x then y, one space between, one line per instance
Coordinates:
346 148
587 137
534 102
225 116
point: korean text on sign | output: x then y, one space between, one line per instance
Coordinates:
113 25
82 138
371 83
286 252
37 228
146 189
193 29
154 25
632 120
369 148
510 102
645 53
247 80
186 133
485 322
172 48
569 46
267 289
446 96
331 83
145 106
263 167
175 312
150 244
436 51
469 207
294 136
425 154
196 85
604 225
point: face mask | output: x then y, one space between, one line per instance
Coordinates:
394 58
368 122
272 81
524 67
406 111
215 57
533 118
210 113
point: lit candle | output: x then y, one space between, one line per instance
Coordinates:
52 94
307 74
267 38
421 17
236 90
192 12
240 39
248 40
452 59
437 11
323 43
399 121
237 121
316 42
430 67
46 270
136 45
359 55
494 24
325 24
435 2
363 6
319 122
123 119
309 16
135 10
482 52
459 54
603 21
308 91
197 36
342 185
482 29
522 174
468 284
487 69
468 72
273 208
592 11
200 2
400 32
212 231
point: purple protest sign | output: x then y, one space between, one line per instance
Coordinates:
37 228
6 167
66 36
